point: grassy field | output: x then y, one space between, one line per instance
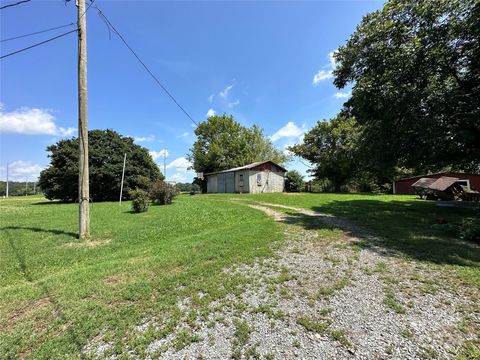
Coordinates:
56 293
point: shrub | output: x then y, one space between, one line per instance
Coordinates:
143 183
294 181
140 200
162 193
469 229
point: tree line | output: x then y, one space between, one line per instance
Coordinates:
414 72
414 69
19 188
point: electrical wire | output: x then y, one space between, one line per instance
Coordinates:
102 14
301 161
15 4
49 29
37 44
37 32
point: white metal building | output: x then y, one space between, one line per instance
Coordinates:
259 177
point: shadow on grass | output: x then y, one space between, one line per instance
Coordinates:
46 294
53 202
418 230
36 229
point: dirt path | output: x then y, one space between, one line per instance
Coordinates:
325 295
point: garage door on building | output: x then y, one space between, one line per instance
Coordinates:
226 182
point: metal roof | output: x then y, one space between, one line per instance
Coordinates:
245 167
424 182
440 184
443 183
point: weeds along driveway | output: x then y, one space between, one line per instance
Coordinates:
329 292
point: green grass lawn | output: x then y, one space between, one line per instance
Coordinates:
407 225
56 293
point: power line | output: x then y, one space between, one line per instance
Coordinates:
49 29
37 32
300 160
38 44
15 4
143 64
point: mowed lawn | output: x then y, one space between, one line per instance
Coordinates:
57 293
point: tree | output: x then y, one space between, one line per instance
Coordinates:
294 181
331 147
415 70
107 148
223 143
187 187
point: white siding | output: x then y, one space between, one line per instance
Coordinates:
269 181
266 181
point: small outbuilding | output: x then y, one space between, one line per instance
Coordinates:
444 188
470 182
259 177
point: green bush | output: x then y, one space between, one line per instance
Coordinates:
294 181
162 193
469 229
140 200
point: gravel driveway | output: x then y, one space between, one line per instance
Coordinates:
330 292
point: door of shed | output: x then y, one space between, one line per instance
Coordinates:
230 182
221 183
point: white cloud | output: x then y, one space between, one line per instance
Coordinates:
340 95
224 93
211 112
322 75
180 163
31 121
183 170
149 138
290 130
210 98
183 135
20 170
233 103
178 177
333 63
158 154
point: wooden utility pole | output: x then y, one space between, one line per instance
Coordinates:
83 176
165 163
123 176
6 192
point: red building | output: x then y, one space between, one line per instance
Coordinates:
404 186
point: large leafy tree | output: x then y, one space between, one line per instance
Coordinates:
415 71
224 143
106 151
331 147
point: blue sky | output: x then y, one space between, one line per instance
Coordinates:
266 63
